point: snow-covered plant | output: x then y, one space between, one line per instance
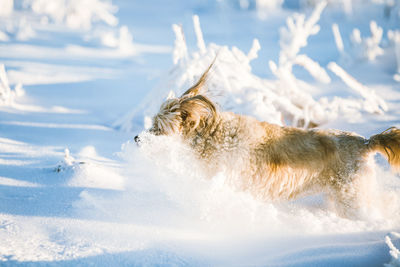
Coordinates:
5 90
68 162
338 39
234 87
4 36
292 39
372 102
231 82
313 112
76 14
7 95
394 37
295 36
368 48
179 54
394 252
68 159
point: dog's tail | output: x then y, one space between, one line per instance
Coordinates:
388 144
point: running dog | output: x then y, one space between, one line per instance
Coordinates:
276 162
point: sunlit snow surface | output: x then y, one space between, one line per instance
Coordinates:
75 190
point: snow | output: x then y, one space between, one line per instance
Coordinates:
75 14
6 7
394 252
79 79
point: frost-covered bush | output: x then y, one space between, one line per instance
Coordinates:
76 14
292 39
7 96
295 35
394 37
394 252
233 85
371 102
369 47
5 90
231 82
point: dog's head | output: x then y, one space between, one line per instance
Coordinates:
191 113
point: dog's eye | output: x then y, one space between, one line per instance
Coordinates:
184 115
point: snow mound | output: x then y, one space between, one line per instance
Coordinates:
181 210
75 14
92 20
161 189
91 170
394 37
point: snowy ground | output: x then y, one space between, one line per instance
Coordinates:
75 191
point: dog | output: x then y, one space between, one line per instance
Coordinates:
275 162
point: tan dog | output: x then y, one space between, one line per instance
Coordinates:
274 162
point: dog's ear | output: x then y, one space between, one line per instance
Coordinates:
171 95
198 114
197 88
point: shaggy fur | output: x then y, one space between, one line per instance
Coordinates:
274 162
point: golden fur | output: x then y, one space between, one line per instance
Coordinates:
274 162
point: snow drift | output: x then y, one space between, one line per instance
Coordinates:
160 189
153 205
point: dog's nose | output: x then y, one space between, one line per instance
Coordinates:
136 139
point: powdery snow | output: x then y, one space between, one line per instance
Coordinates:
79 79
